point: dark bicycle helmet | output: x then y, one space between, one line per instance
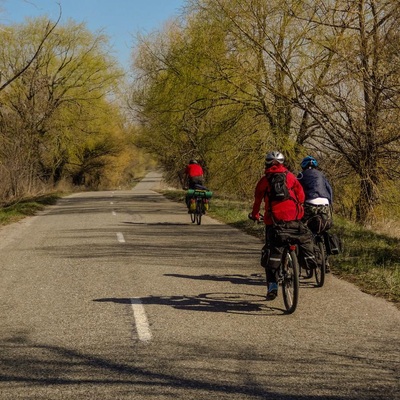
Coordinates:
274 157
193 162
309 161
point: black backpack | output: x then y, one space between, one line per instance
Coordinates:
278 187
279 191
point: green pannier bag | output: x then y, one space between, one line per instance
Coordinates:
200 193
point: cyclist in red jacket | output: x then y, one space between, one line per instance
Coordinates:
194 174
285 214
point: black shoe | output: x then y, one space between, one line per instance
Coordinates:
272 291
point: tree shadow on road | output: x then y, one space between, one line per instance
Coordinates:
53 371
237 279
238 303
240 279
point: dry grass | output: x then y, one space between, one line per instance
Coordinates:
17 211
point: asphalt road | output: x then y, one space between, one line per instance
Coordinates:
116 295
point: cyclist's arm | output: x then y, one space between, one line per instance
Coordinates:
330 191
258 197
299 191
182 177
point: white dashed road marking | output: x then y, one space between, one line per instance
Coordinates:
120 237
141 322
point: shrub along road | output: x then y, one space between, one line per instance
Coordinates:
116 295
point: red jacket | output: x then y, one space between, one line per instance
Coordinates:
287 210
193 170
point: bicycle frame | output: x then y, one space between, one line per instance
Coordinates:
288 273
201 198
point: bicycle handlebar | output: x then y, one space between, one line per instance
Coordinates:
261 218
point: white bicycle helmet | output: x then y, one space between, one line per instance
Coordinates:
274 157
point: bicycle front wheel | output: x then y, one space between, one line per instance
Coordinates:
320 270
290 281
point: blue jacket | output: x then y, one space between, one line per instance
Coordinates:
315 184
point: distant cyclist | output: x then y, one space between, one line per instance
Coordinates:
280 217
193 175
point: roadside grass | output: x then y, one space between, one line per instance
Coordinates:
10 213
14 212
369 260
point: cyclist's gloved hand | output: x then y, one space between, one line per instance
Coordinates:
259 217
254 217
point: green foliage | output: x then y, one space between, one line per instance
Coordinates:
241 77
59 121
187 112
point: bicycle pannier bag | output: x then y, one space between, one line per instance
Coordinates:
265 254
318 218
333 243
298 233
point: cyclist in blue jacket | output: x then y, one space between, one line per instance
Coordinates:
319 196
316 187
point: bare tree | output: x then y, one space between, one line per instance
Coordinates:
356 105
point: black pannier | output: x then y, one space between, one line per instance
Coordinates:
333 243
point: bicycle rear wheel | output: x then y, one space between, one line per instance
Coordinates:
290 281
320 270
199 211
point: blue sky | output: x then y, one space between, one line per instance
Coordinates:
120 19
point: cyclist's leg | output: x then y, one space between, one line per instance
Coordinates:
327 264
307 249
197 180
325 236
272 263
191 183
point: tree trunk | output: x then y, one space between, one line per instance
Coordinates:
368 199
